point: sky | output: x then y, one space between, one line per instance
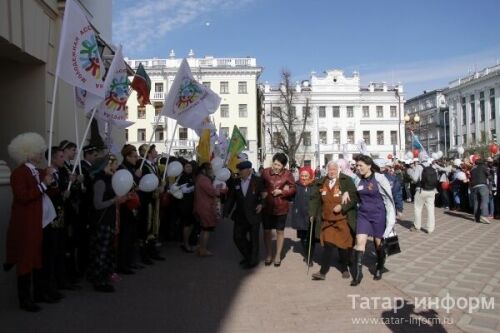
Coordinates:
423 44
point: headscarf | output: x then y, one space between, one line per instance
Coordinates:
345 168
309 171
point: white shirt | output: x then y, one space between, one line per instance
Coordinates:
331 183
244 185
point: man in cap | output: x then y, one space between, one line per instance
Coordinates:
246 197
426 178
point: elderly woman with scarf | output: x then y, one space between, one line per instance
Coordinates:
336 222
300 212
376 214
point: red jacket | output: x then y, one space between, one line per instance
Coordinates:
278 205
24 236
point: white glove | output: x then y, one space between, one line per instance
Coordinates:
187 189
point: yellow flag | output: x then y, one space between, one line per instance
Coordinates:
236 146
204 146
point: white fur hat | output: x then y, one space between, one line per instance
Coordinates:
26 146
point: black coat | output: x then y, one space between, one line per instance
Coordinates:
245 205
300 207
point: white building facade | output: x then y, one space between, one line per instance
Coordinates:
233 79
342 113
474 108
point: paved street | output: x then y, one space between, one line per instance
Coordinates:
191 294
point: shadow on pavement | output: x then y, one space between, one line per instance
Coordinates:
405 319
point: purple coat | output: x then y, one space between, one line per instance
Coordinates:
205 196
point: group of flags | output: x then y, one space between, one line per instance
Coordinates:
105 92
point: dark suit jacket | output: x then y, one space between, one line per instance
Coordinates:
245 205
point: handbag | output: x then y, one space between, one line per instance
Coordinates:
391 244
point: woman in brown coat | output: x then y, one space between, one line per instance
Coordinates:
205 205
25 232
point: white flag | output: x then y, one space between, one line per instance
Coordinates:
188 101
78 61
85 100
113 108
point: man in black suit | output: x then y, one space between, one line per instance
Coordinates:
245 195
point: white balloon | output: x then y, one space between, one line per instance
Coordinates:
217 163
148 183
440 154
409 155
434 156
174 169
122 182
223 174
460 150
457 162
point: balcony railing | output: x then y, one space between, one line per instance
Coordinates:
158 95
161 120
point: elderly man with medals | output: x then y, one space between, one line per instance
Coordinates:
149 210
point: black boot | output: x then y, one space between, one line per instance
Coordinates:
380 264
344 263
145 259
24 293
358 269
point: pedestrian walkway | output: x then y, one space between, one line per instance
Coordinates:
190 294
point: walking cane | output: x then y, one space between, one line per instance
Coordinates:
310 242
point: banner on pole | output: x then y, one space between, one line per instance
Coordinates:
188 101
78 61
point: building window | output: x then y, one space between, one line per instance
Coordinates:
481 110
141 134
224 131
224 110
293 112
473 138
464 112
141 112
126 135
380 111
322 112
336 137
158 110
350 112
158 87
183 133
276 110
394 137
276 139
492 103
350 137
292 138
242 87
242 110
393 111
306 111
472 110
224 87
366 137
464 139
366 111
322 137
159 133
380 138
207 84
306 136
244 131
336 112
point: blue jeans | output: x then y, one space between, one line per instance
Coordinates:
481 197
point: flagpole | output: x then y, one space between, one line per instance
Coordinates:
52 111
76 132
83 139
150 140
168 152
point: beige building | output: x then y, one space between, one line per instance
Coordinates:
29 38
234 79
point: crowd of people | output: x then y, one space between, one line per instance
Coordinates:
66 226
